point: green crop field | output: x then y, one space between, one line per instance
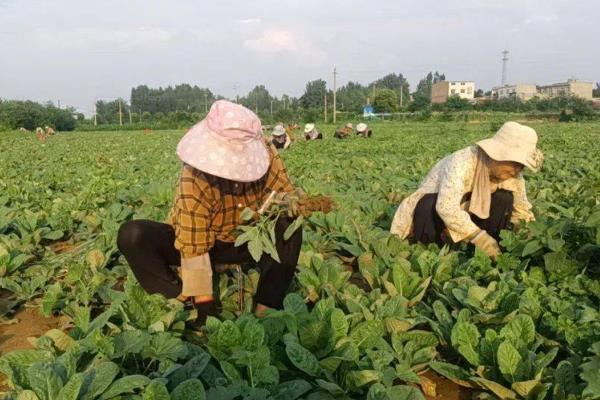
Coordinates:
369 316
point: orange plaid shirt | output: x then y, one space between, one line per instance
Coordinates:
207 208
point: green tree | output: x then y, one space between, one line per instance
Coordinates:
258 98
396 82
385 101
351 97
313 94
456 103
596 92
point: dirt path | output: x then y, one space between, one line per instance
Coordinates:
30 323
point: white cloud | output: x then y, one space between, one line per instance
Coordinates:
273 40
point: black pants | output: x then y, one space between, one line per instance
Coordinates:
149 249
428 227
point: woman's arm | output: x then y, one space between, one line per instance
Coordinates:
193 235
521 205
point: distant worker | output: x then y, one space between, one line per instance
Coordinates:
40 134
49 130
311 132
344 132
280 138
363 130
474 193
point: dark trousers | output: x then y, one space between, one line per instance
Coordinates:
428 227
149 249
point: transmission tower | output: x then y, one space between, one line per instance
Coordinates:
504 65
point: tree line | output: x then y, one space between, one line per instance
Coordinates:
182 105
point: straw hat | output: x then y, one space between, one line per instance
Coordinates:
361 127
228 143
514 142
308 128
349 125
279 130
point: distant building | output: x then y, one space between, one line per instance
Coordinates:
442 90
523 91
572 87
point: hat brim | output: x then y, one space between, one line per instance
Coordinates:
234 160
498 151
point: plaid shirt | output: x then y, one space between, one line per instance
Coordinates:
208 208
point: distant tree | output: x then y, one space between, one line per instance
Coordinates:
313 94
479 93
385 101
108 111
396 82
422 96
351 97
596 92
258 98
456 103
30 115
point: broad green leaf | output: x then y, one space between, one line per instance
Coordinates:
156 390
192 389
125 385
508 360
44 381
301 357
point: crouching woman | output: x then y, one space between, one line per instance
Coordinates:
474 193
228 165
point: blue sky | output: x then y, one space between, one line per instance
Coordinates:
77 51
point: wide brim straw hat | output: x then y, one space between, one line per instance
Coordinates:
514 142
228 143
279 130
361 127
308 128
349 125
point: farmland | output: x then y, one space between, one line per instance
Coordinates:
369 316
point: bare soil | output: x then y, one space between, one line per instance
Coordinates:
30 323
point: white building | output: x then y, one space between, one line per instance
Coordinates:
442 90
523 91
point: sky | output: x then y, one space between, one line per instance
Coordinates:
77 51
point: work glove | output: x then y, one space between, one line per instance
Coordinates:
484 242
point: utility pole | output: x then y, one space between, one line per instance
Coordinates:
401 90
504 66
256 107
325 108
95 112
130 117
334 94
271 107
120 114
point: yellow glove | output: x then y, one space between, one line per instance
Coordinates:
487 244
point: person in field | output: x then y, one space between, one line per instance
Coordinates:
474 193
280 138
344 132
311 132
363 130
228 165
